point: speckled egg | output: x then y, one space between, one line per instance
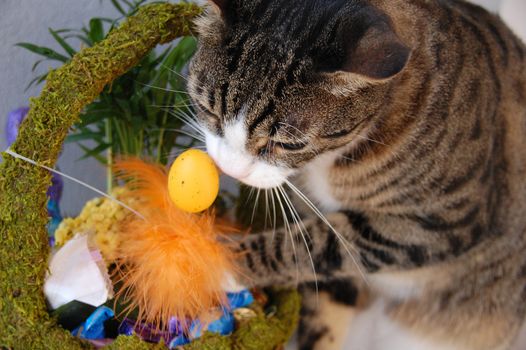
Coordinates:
193 181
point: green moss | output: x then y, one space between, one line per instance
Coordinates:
133 343
267 333
210 341
264 332
24 320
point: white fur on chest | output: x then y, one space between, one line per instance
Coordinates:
372 329
315 181
396 286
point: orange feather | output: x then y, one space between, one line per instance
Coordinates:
170 263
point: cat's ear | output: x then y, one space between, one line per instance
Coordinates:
218 5
370 51
379 54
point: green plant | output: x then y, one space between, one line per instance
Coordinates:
137 115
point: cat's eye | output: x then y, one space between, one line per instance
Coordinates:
337 134
291 146
212 119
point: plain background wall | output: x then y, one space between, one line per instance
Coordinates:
29 20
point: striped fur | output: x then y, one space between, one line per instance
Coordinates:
419 107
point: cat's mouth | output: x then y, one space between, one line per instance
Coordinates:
239 164
260 175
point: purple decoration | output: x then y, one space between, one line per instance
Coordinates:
175 336
149 333
54 192
14 119
127 327
174 326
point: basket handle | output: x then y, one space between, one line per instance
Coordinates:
24 321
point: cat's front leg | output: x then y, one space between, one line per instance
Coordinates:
328 309
318 257
316 250
290 255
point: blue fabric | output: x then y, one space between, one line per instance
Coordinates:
178 341
223 326
241 299
93 327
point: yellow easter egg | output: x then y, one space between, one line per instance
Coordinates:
193 181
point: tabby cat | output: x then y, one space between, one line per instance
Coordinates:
404 122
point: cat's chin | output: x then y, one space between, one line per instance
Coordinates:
251 172
230 156
266 176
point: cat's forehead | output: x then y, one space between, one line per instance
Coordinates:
279 24
266 55
270 34
254 56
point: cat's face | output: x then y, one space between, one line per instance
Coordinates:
274 85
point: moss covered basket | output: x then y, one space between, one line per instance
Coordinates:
24 319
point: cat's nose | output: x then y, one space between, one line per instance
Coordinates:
234 165
231 161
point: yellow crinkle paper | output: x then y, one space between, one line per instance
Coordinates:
101 218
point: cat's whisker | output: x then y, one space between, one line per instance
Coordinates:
369 139
342 240
171 70
289 232
352 159
163 89
303 134
309 203
274 220
181 150
254 208
250 194
287 125
322 217
188 117
192 33
191 113
189 121
180 114
267 211
178 152
184 132
82 183
175 105
302 231
185 78
191 117
315 150
303 142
